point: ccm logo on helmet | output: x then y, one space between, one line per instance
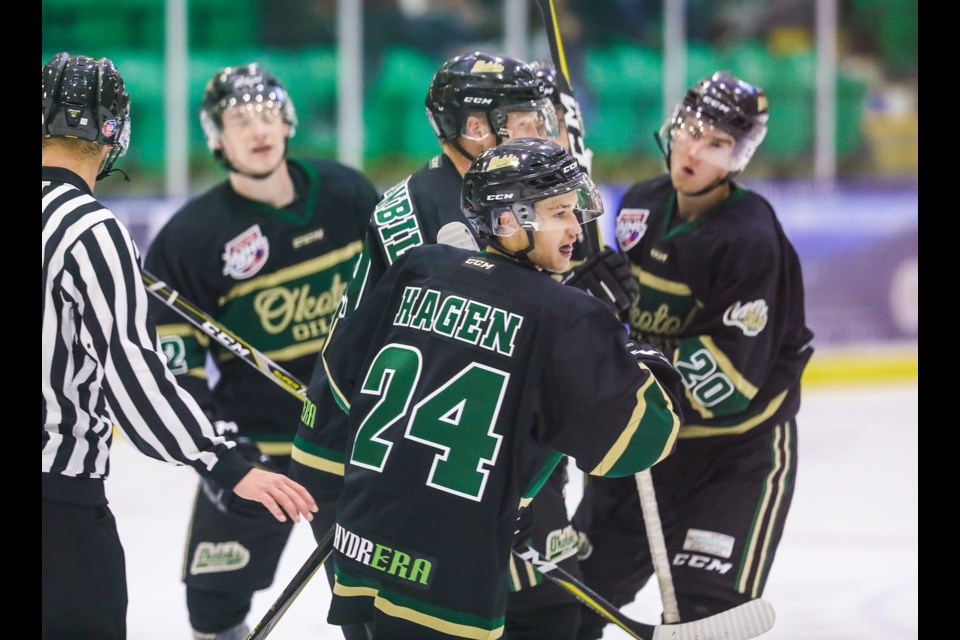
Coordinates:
497 197
477 100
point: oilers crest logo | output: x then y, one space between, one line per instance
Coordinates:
631 225
245 255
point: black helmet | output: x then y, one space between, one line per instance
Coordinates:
729 104
547 72
84 98
246 85
517 174
489 83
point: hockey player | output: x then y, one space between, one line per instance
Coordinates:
268 252
100 365
721 292
474 102
467 375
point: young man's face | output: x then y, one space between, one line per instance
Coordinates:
700 154
254 138
557 233
531 124
538 121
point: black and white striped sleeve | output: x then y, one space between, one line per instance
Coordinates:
148 406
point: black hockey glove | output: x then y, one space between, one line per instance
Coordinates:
225 500
662 369
523 528
606 276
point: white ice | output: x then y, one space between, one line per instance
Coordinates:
847 568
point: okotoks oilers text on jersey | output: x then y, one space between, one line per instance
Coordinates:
273 276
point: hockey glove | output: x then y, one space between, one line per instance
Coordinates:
662 369
225 500
608 277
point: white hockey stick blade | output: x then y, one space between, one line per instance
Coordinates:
748 620
456 234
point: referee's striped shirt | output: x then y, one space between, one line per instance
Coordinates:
101 365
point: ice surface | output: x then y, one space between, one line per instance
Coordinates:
847 568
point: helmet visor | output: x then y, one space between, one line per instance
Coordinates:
533 119
689 133
574 203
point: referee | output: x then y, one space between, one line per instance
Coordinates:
100 364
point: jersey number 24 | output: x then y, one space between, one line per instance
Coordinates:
457 419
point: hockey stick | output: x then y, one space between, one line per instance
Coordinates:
572 116
294 587
280 376
747 620
658 546
221 334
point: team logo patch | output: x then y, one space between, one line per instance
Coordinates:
562 543
215 557
108 128
245 255
498 162
750 317
487 66
631 225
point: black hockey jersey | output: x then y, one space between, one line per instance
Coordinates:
410 214
273 276
724 295
466 376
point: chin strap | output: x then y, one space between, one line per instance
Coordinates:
459 147
520 256
109 172
106 168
